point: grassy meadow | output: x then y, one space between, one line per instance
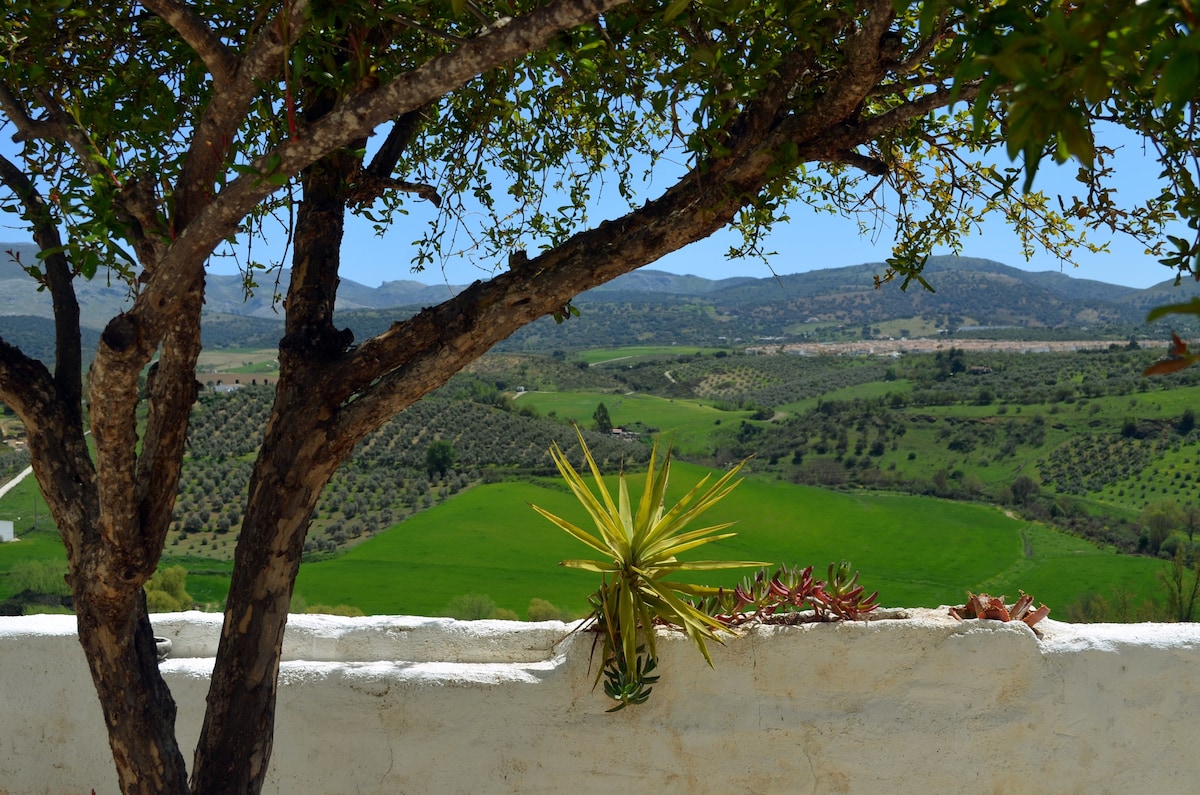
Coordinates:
627 355
917 551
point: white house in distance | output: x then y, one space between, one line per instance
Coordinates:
6 531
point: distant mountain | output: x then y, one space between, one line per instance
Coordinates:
975 296
228 294
12 255
649 306
1166 292
640 282
989 293
35 336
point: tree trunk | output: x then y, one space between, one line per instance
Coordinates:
300 453
138 708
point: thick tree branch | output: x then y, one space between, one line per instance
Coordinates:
167 311
221 63
380 374
27 387
376 179
402 133
894 118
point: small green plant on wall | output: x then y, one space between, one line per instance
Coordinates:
639 552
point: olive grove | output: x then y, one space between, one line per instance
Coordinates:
155 135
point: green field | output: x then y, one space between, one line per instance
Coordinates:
627 355
1098 443
916 551
33 545
688 424
23 504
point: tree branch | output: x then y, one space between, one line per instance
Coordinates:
26 386
221 63
874 126
358 116
377 377
28 129
225 112
67 353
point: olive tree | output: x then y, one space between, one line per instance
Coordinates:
155 135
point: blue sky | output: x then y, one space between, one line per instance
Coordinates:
809 241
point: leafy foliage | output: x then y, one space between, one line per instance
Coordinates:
166 591
158 134
1055 72
39 577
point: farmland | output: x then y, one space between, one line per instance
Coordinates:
933 473
917 551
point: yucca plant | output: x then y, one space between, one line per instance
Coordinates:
640 552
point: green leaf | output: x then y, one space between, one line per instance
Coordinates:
1191 307
1179 78
675 9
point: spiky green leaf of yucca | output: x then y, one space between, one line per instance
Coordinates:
639 552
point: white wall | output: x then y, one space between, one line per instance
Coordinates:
415 705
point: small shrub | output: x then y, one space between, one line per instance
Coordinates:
542 610
470 607
339 610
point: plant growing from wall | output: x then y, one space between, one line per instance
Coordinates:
792 595
983 605
639 556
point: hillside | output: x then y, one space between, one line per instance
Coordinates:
973 296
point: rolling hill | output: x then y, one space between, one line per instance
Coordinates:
653 307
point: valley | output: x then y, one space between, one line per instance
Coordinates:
934 473
997 452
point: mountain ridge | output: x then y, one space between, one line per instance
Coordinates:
969 292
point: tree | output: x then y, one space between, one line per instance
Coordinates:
1158 520
470 607
1191 521
602 420
159 134
439 457
1186 423
1023 487
1181 594
166 591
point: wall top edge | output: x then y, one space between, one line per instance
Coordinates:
421 638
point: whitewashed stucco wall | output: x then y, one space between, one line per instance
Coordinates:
416 705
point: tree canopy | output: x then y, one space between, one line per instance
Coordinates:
156 135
